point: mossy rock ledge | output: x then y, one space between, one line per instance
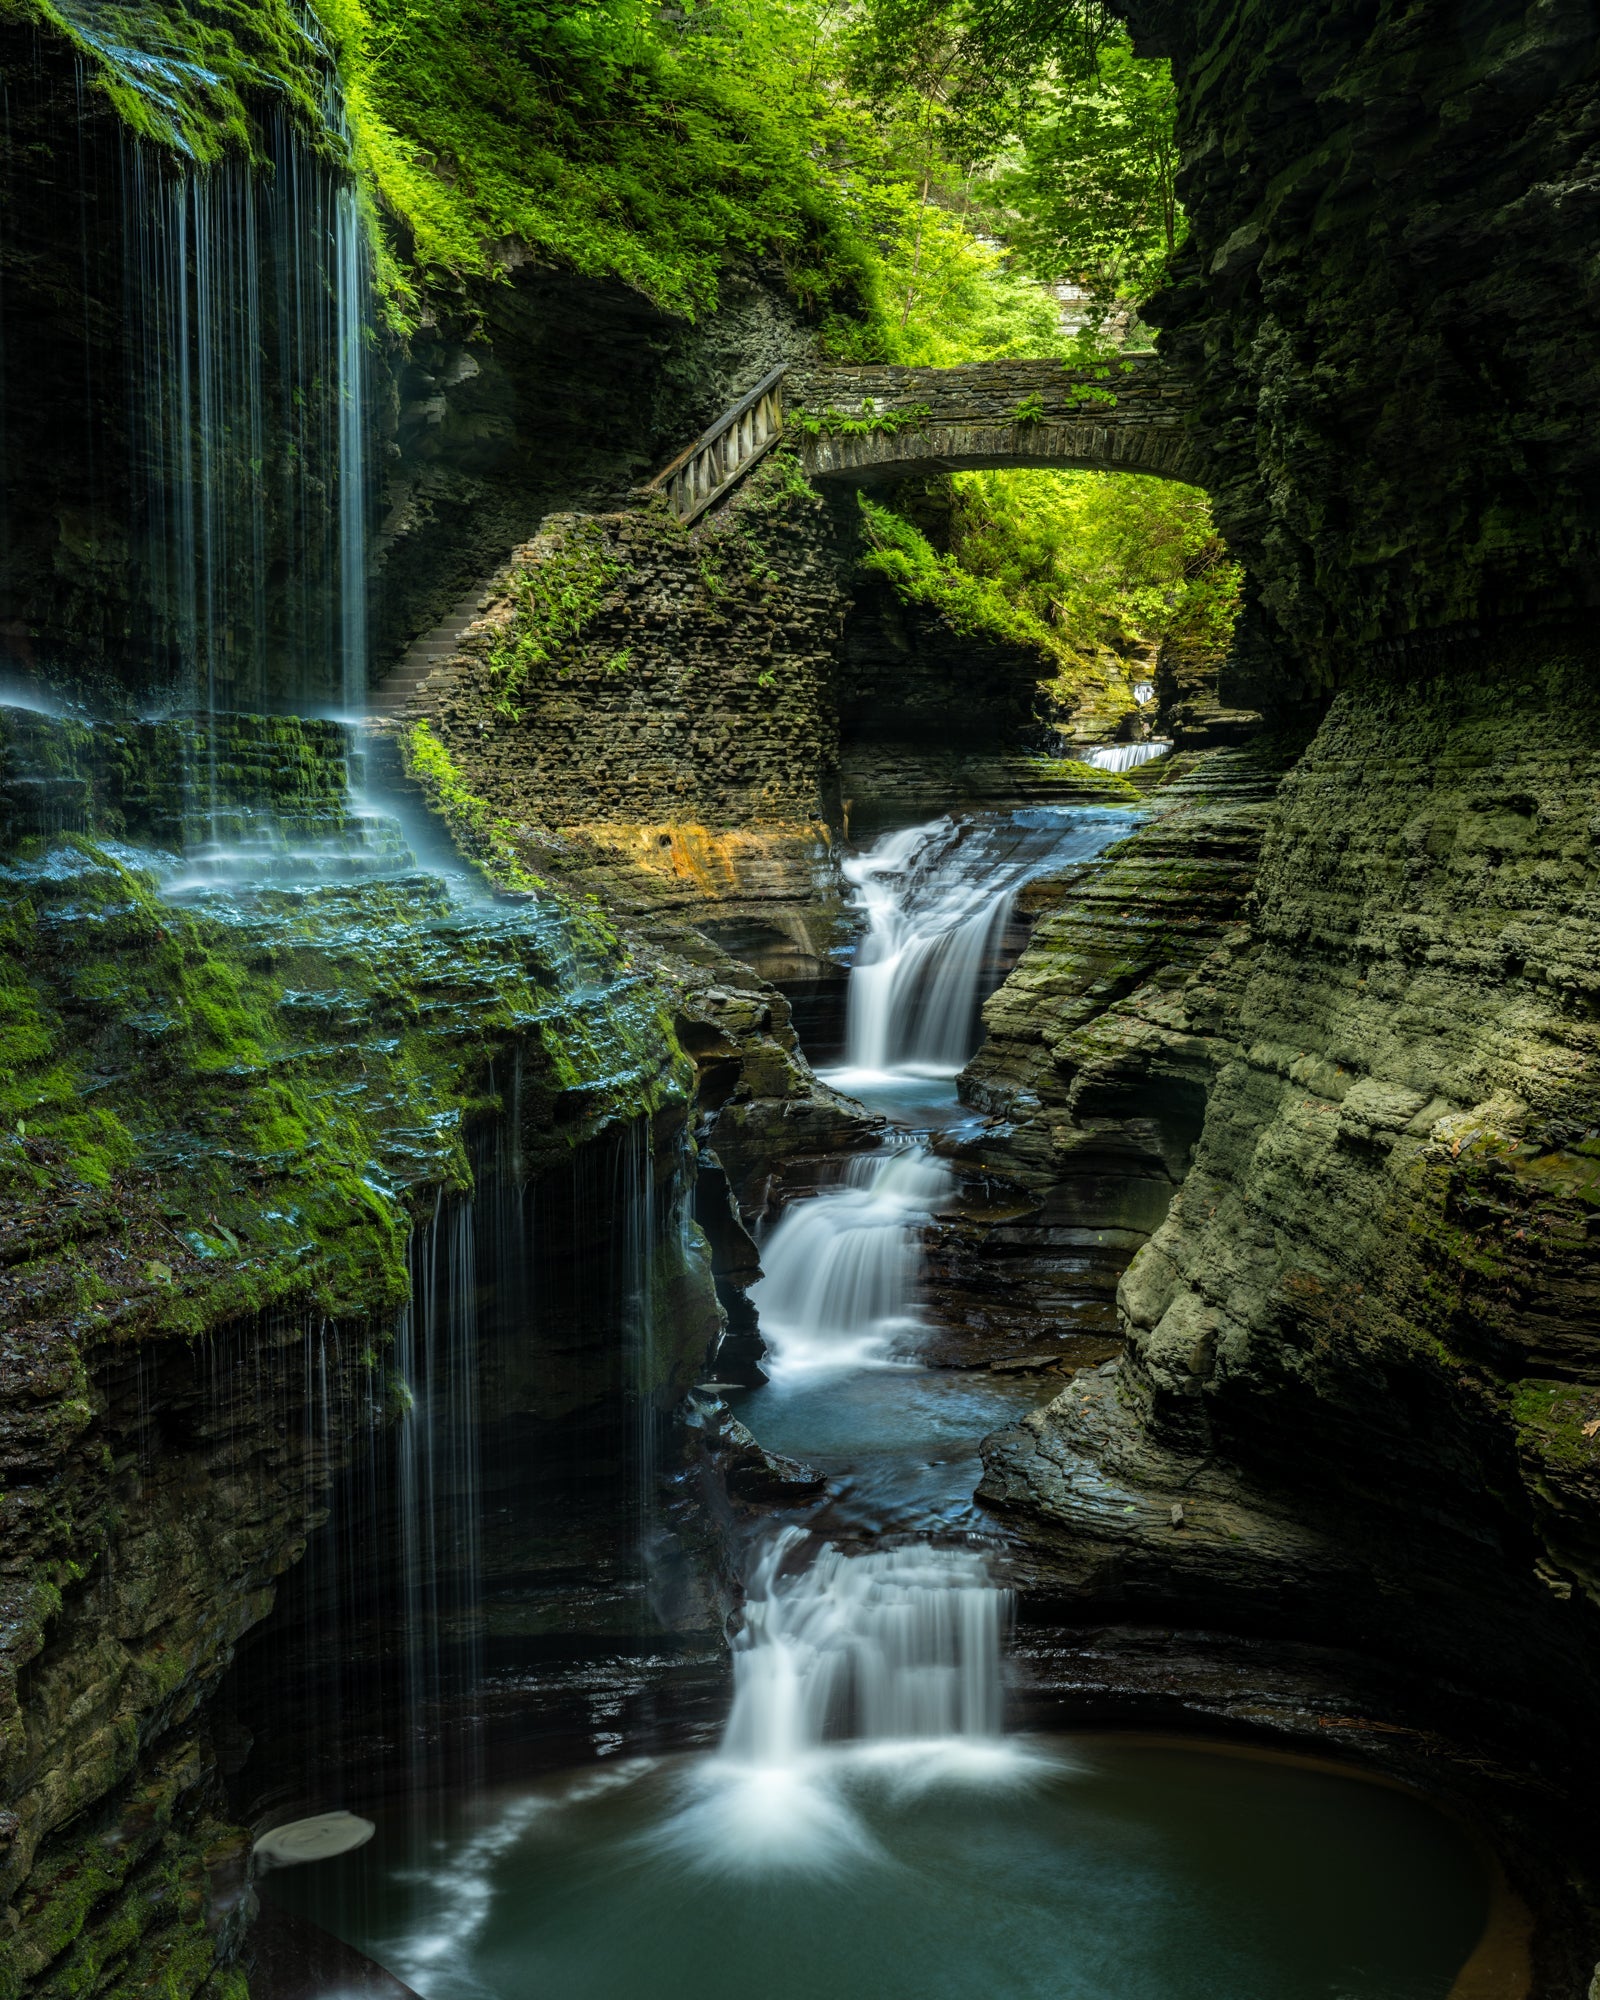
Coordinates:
222 1111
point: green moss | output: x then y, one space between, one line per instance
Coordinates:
555 599
869 421
271 1076
1559 1421
194 80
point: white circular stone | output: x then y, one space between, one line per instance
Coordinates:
314 1839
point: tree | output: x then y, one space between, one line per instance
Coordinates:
1094 187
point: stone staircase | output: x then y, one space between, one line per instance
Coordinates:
706 472
426 652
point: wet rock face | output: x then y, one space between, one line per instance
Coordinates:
1100 1047
1387 306
1361 1350
225 1109
197 1475
1372 1301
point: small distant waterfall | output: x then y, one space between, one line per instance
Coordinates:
842 1269
937 899
249 307
1125 756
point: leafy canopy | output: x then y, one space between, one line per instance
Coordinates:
1115 560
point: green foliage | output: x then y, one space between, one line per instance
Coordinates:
1092 182
1067 137
555 599
992 51
598 136
870 422
192 80
974 605
476 829
624 140
1102 559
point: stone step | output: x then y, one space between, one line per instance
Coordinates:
426 652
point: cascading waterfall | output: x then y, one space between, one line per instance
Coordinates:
1125 756
841 1270
248 297
891 1646
937 900
853 1667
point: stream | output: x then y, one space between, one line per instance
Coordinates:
866 1824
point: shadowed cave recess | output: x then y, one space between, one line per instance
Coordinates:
733 1250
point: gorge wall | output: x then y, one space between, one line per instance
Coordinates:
1364 1326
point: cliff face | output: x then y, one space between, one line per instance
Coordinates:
1362 1365
1384 306
233 1113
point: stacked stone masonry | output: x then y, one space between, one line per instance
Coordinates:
1133 416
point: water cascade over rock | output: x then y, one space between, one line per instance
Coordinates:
1125 756
893 1652
936 900
886 1662
250 314
842 1270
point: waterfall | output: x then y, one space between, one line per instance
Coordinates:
439 1483
937 900
841 1269
880 1665
893 1645
1125 756
249 310
354 316
635 1203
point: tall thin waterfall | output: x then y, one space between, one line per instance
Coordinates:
635 1196
439 1485
937 899
248 298
354 317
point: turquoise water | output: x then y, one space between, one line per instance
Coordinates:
1066 1869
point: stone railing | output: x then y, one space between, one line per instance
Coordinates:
716 462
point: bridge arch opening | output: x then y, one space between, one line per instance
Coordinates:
1013 622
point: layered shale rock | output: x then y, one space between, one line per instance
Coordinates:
1367 1321
1101 1044
1361 1379
1385 310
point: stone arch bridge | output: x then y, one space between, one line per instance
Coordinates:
871 423
880 423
